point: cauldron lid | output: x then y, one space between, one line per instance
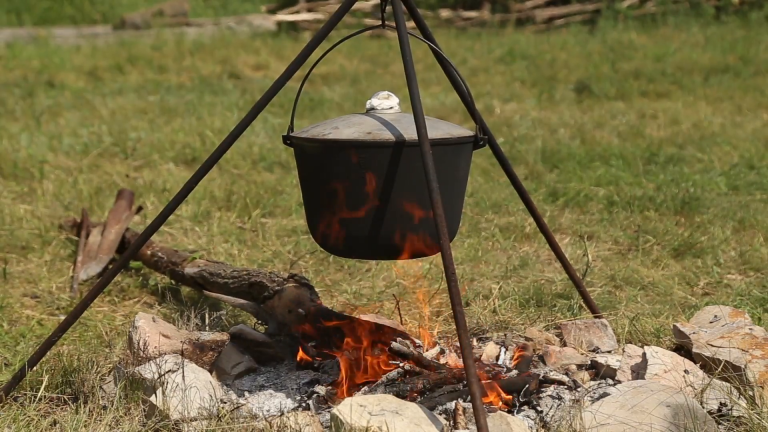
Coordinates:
383 122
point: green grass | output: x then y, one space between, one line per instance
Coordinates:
81 12
644 146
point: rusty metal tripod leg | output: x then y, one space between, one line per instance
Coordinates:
476 390
198 176
503 161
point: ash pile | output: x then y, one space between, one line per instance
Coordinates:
573 377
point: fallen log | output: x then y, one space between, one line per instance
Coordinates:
546 14
272 298
563 22
172 13
531 4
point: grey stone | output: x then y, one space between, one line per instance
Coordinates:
503 422
490 353
540 337
178 388
630 362
383 413
151 337
727 344
669 368
232 363
593 335
559 358
646 406
581 376
606 365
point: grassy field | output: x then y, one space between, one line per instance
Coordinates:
646 147
80 12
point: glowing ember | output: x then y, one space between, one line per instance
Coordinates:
331 224
359 345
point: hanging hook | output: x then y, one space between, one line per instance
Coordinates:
383 9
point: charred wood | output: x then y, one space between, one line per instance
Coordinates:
521 387
414 387
416 358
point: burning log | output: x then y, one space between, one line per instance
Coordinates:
521 387
414 387
416 357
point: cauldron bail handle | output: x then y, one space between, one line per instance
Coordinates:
480 139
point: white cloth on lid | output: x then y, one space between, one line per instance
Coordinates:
383 102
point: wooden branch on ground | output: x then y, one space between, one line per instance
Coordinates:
546 14
563 22
531 4
118 219
459 419
83 230
97 244
172 13
272 298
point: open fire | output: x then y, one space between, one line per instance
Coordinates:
363 350
360 346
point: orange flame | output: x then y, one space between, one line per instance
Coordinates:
426 337
363 355
331 224
303 358
496 396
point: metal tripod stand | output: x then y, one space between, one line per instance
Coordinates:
398 8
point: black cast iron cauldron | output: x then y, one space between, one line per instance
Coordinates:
363 184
